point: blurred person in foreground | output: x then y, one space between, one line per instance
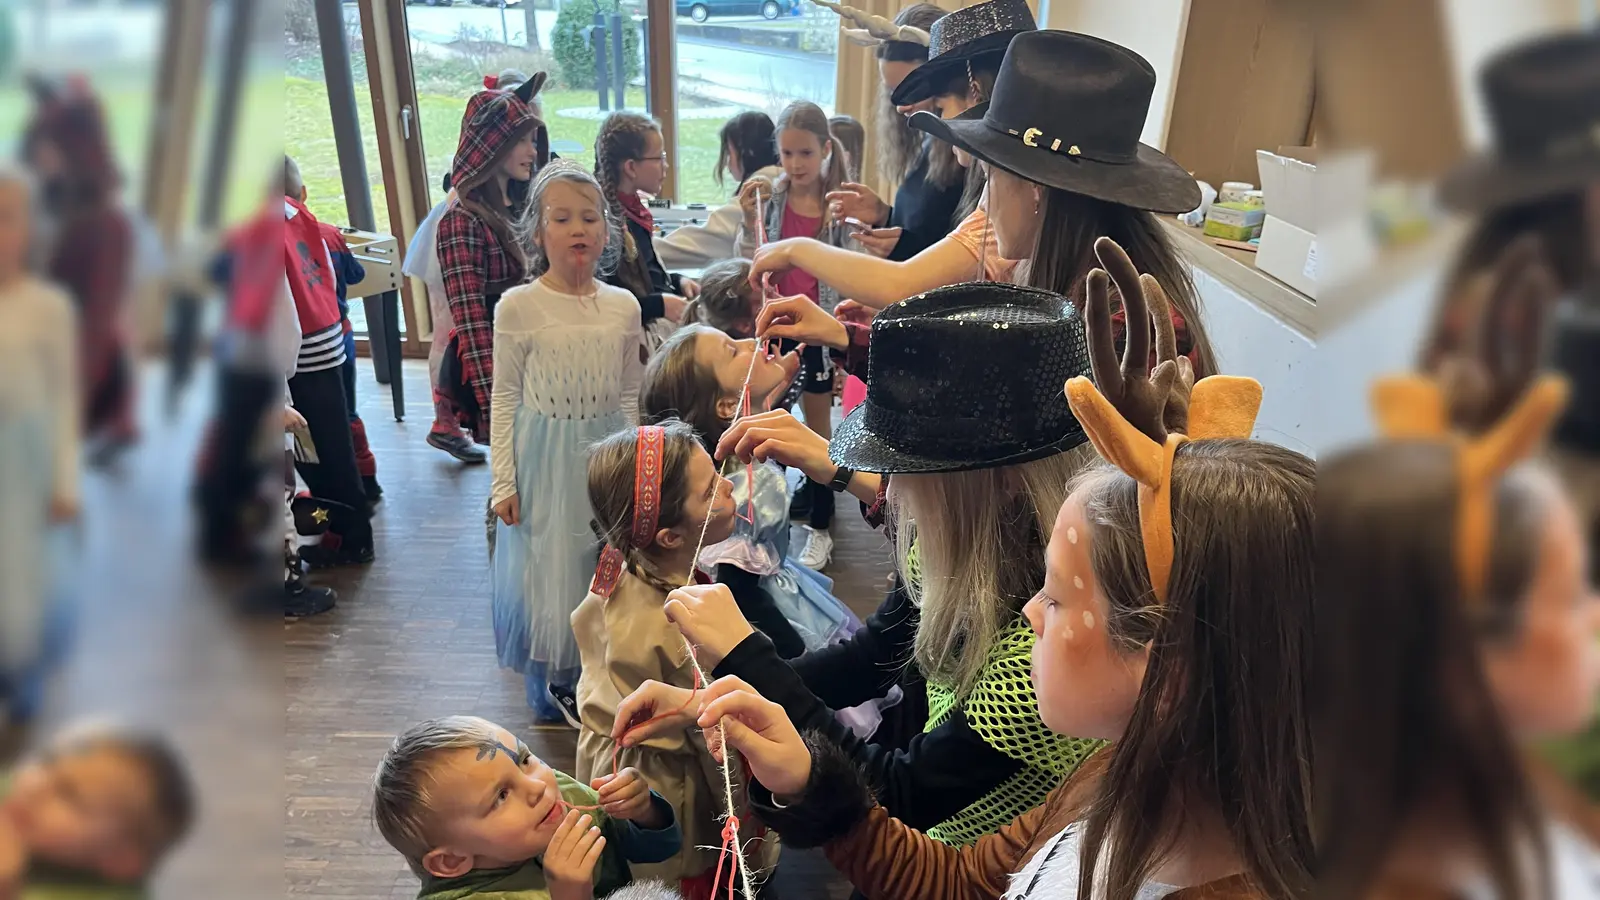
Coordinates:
91 250
1542 178
39 451
92 817
1457 626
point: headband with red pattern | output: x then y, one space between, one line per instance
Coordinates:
646 508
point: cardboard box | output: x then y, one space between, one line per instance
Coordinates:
1288 248
1234 221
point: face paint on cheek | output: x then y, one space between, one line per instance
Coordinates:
1088 619
1072 535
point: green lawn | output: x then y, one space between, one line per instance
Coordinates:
308 137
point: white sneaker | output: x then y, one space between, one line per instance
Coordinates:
818 551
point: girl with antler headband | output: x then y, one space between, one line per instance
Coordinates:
1175 620
1456 623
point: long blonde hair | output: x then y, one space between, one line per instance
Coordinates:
980 539
804 116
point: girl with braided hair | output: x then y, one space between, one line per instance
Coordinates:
630 159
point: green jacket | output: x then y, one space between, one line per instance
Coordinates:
625 842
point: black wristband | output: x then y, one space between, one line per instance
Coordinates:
841 480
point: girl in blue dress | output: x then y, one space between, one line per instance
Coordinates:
568 358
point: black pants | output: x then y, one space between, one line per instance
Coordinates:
319 396
230 484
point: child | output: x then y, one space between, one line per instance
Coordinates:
93 816
656 495
476 814
629 159
853 139
317 387
726 302
568 359
347 270
1189 648
748 149
39 449
813 165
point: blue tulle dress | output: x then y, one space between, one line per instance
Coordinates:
804 596
566 374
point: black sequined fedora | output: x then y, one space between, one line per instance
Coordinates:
966 377
1543 100
956 38
1066 112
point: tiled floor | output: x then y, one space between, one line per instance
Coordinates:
412 638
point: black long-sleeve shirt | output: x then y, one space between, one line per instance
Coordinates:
924 211
938 773
649 268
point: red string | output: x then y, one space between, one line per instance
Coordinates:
730 844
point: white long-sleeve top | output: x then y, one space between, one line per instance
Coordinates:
39 368
700 246
561 356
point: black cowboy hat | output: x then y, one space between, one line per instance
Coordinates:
1066 112
1543 99
966 377
961 36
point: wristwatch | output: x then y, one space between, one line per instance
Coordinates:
841 480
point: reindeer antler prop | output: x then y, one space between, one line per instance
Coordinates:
1484 395
874 30
1413 407
1139 423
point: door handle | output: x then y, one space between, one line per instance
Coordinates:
405 121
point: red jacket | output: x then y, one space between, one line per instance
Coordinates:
309 269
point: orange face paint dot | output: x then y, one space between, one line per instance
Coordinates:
1088 619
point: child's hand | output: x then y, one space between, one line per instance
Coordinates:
674 306
648 701
509 510
710 618
798 319
761 730
570 860
857 201
772 259
878 242
292 419
756 186
625 795
691 288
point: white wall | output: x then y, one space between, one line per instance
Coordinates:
1152 28
1315 396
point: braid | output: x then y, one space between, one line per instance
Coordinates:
641 569
621 138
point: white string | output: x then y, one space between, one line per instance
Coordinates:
727 751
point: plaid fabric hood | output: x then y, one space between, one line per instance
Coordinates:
494 119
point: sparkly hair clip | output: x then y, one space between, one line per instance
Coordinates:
875 30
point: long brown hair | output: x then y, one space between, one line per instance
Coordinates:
853 138
1221 719
726 300
612 464
623 136
1406 722
802 115
976 84
1064 257
677 387
897 143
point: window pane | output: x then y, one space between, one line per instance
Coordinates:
735 55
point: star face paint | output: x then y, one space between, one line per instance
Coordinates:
1086 684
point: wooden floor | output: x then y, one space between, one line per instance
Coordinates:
412 638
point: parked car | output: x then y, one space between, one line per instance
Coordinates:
431 2
701 10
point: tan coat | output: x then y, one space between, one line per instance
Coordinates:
625 641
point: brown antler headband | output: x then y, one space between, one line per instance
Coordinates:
875 30
1221 406
1412 407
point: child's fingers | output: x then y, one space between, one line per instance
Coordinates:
600 783
592 858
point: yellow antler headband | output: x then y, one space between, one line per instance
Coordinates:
1412 407
1221 406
